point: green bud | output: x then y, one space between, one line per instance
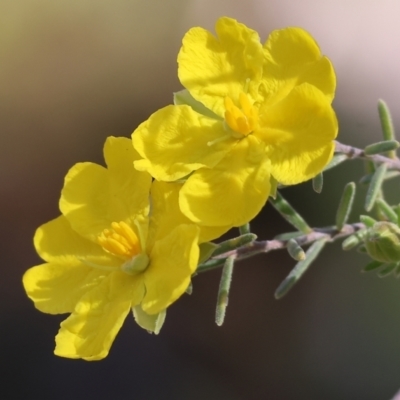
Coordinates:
383 242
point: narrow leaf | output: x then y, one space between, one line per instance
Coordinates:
318 182
295 251
289 213
375 187
301 267
288 235
235 243
386 210
367 220
366 179
381 147
345 205
386 124
223 291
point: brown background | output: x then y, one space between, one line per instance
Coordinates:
73 73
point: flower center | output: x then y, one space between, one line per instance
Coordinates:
120 240
243 119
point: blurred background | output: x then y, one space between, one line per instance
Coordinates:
73 73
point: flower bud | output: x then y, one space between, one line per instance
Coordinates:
383 242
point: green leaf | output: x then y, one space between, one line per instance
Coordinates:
184 97
386 124
301 267
375 187
345 205
366 179
295 251
223 291
288 235
381 147
289 213
233 244
318 182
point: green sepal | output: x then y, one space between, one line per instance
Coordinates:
301 267
206 250
189 289
383 242
273 187
184 97
152 323
372 266
244 229
345 205
387 270
318 183
367 220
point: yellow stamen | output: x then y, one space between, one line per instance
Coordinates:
120 241
241 120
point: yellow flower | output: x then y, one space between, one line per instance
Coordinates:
105 255
250 112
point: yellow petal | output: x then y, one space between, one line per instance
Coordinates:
299 133
233 192
166 214
57 242
94 197
90 330
292 58
212 68
173 260
56 288
175 140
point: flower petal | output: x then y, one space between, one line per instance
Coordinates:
233 192
299 133
173 260
89 331
166 214
94 197
292 58
55 241
174 141
212 68
56 288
